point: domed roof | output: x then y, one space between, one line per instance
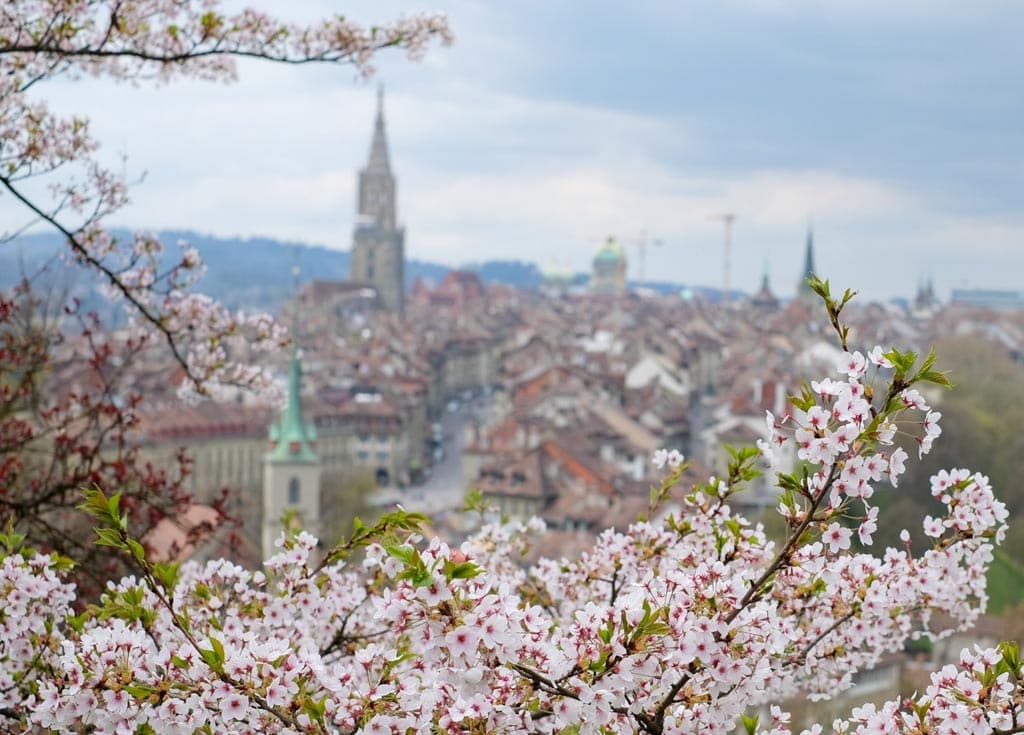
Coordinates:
610 252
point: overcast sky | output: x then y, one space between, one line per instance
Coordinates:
896 127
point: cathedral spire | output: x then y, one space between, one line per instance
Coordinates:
291 438
378 243
379 161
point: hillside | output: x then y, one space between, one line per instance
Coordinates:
256 272
251 273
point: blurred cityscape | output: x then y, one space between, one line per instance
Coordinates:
547 395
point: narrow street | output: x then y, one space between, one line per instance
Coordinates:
446 487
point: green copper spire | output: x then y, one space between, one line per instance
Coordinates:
291 439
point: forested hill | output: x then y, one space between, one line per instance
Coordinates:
241 272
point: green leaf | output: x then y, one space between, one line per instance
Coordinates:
806 400
1011 657
10 539
210 657
936 377
421 578
136 548
465 570
167 574
474 501
179 662
140 691
218 647
214 656
403 552
109 537
95 503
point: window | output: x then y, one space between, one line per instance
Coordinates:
294 491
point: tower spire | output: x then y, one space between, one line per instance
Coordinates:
379 160
803 291
291 469
378 247
809 254
291 438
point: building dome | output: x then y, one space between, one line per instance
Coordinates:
610 252
609 270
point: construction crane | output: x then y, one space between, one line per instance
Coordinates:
641 243
726 219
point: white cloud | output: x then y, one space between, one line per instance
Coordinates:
780 198
485 171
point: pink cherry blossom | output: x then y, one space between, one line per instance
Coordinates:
837 537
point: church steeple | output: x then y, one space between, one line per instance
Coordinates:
291 469
376 183
809 254
764 298
292 438
379 161
803 291
378 243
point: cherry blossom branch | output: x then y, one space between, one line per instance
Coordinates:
784 555
115 533
836 625
111 277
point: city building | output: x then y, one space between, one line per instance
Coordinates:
764 299
988 298
378 243
609 273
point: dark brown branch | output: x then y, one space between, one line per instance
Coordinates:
111 276
325 57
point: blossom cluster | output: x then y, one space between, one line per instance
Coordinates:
674 625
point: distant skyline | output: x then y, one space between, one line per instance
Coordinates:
895 129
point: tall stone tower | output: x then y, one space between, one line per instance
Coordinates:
378 244
291 469
803 291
